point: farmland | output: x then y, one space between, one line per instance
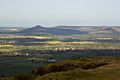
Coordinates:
24 51
21 54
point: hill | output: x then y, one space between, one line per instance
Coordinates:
98 31
39 30
81 69
64 31
75 69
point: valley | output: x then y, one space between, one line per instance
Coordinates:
28 49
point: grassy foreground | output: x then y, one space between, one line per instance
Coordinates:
75 69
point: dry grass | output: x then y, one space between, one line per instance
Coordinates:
94 69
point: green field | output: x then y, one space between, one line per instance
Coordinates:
17 65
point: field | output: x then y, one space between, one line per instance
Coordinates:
23 54
16 65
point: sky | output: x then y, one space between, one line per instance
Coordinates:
27 13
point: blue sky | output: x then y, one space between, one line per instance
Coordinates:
27 13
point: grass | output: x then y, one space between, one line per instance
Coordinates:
75 69
109 71
79 74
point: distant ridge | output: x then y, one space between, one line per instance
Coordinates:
39 30
95 31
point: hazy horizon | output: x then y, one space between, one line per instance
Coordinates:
48 13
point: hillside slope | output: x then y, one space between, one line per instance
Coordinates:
39 30
75 69
88 69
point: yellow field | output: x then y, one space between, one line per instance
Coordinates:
104 38
6 45
60 42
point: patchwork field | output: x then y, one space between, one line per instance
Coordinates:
24 53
